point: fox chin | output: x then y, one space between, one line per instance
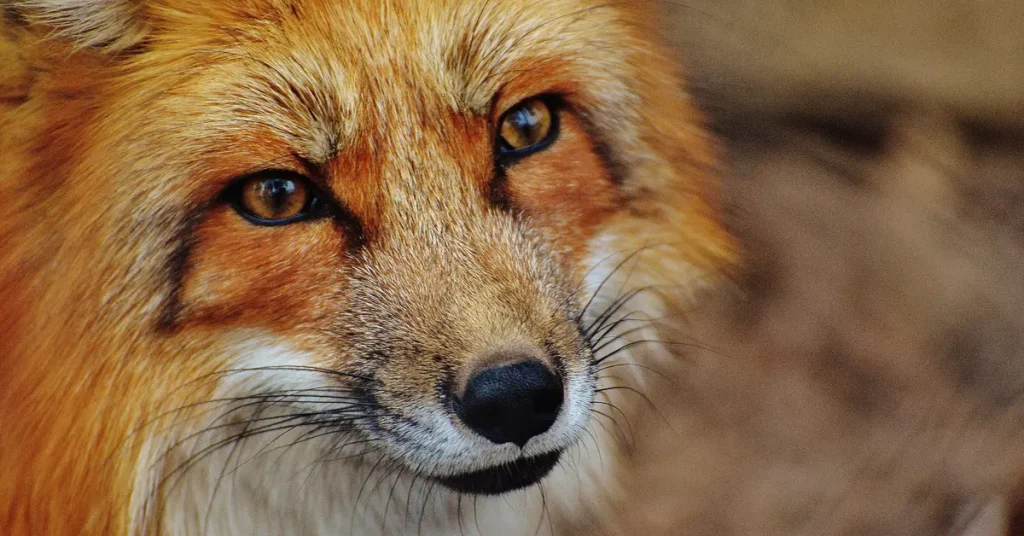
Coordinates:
335 267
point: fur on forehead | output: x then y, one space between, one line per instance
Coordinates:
468 47
315 70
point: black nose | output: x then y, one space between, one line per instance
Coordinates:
511 403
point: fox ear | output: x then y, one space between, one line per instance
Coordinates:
110 25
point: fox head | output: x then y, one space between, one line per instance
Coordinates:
373 232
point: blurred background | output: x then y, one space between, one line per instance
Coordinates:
868 378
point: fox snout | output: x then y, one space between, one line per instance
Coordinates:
475 371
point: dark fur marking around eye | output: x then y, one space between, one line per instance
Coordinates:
182 243
603 149
350 226
325 205
343 218
499 194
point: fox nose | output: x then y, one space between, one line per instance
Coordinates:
511 403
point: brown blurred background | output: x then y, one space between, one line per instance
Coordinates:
869 381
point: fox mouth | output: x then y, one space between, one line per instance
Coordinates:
503 478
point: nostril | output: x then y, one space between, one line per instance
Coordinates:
511 403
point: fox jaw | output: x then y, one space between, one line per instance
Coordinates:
318 266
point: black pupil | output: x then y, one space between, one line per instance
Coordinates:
277 193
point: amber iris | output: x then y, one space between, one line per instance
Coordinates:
275 199
528 125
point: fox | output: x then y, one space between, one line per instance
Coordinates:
336 267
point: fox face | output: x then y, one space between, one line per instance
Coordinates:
356 234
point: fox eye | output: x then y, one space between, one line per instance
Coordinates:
275 198
528 127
